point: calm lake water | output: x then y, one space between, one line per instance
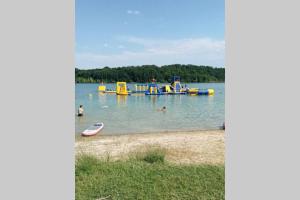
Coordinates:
138 113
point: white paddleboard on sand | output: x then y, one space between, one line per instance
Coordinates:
93 130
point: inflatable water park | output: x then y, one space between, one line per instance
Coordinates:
174 88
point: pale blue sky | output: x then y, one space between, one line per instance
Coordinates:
136 32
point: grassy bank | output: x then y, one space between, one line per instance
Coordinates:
146 176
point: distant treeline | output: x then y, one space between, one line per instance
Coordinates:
145 73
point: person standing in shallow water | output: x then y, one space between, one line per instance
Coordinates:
80 111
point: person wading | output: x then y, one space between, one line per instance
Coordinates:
80 111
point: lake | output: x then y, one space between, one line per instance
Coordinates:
138 113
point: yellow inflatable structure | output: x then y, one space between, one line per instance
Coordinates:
193 91
211 91
122 89
101 88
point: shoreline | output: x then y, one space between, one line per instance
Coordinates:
182 147
78 137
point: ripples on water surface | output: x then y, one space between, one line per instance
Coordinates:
138 113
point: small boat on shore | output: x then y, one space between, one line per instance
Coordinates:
93 130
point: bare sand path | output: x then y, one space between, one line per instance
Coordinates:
196 147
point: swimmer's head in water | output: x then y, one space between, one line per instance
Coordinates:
164 107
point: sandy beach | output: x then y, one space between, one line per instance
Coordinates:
195 147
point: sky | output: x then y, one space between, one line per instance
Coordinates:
119 33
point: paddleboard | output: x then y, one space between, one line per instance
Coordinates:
93 130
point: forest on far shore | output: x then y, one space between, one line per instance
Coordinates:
145 73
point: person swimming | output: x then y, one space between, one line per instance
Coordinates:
163 109
80 111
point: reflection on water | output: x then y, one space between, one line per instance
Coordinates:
102 97
210 99
138 112
153 99
121 99
90 96
101 94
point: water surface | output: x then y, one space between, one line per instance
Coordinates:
138 113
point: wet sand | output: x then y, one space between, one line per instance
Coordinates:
194 147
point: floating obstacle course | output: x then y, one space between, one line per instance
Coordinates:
176 86
140 88
110 91
153 89
192 91
206 92
196 91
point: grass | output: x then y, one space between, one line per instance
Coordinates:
151 155
146 176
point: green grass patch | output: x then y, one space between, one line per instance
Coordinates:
147 176
152 155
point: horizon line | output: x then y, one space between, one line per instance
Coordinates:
146 65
